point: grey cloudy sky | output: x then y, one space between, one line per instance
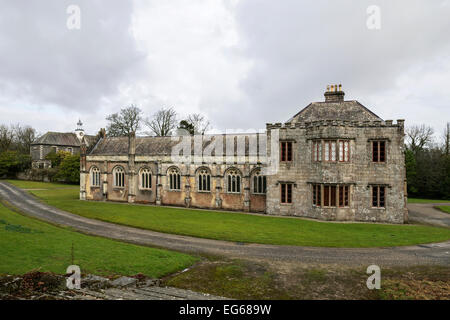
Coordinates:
242 63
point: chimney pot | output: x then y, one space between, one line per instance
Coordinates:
333 94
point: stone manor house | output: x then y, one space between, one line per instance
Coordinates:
334 160
57 141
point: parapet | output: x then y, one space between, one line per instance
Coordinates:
340 123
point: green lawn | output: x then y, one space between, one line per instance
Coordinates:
445 209
238 226
28 244
415 200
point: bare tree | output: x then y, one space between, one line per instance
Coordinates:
126 121
199 122
418 137
6 137
447 139
163 122
24 137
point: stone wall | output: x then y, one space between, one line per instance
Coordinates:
360 173
160 193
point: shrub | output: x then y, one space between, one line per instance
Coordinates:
12 162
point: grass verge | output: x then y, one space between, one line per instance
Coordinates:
445 209
29 244
236 227
416 200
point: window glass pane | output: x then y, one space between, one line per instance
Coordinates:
264 184
289 151
326 196
382 197
347 151
382 151
346 195
375 151
283 151
283 193
314 191
333 196
333 151
374 196
320 151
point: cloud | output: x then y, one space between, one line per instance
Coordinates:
241 63
298 47
45 63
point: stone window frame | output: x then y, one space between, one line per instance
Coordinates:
174 178
286 193
233 180
203 179
317 150
379 198
70 149
317 195
378 141
319 192
118 173
95 174
259 182
345 154
321 147
145 183
286 151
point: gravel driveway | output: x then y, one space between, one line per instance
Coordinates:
426 213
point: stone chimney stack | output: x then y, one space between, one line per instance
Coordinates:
334 93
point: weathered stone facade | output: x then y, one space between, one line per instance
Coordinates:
54 142
343 182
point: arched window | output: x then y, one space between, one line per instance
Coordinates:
95 177
119 177
259 183
204 180
174 179
233 177
145 176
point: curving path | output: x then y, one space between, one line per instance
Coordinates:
407 256
426 213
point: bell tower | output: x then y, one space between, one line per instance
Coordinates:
79 131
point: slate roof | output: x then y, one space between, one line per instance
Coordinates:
161 146
62 139
343 110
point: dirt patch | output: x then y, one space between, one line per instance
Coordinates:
32 285
246 279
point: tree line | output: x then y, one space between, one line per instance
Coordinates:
427 163
15 143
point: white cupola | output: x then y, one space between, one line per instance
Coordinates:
79 131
